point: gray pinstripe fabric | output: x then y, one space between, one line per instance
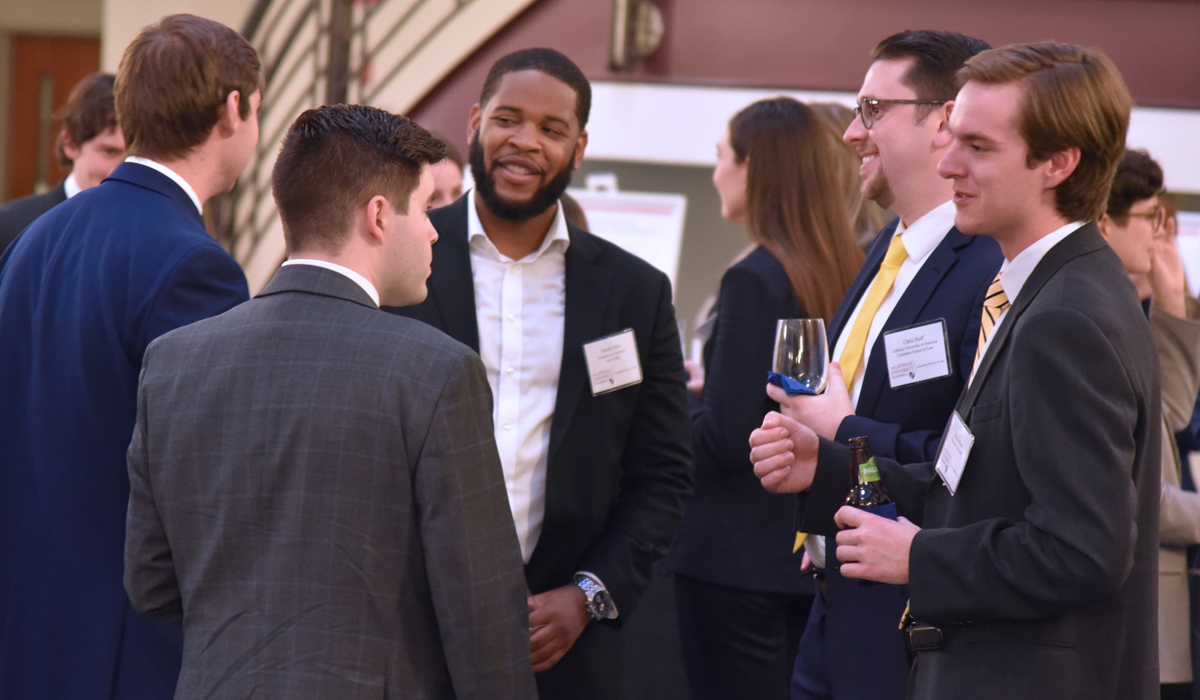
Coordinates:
316 495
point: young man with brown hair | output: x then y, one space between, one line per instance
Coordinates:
82 293
1031 555
90 144
337 515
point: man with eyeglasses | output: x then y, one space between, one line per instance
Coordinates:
921 275
1134 226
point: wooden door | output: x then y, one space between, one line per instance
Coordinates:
44 69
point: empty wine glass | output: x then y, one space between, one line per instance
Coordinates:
801 353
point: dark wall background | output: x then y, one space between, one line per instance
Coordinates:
810 44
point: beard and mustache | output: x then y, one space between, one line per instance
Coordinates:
545 197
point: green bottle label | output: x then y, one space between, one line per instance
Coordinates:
868 472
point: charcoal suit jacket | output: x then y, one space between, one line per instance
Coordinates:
317 497
1041 569
617 472
83 292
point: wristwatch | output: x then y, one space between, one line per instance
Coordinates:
599 602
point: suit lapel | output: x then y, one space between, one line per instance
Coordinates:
1085 240
451 284
861 283
908 309
587 294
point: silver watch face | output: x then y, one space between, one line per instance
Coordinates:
600 604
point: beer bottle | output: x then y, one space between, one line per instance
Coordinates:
867 492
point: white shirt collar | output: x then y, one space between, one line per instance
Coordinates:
927 232
71 185
191 193
354 276
1014 273
478 237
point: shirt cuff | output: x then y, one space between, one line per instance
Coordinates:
596 580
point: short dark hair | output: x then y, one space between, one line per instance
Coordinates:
937 57
1138 178
334 159
1073 98
174 79
89 112
550 62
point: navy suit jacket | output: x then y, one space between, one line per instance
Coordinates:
906 424
735 533
82 293
617 471
19 213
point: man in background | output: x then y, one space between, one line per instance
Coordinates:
447 178
82 293
90 144
327 472
582 353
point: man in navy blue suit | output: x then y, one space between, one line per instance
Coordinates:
922 277
82 293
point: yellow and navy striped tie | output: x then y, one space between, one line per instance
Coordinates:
993 305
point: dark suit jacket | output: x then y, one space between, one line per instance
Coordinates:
1041 569
905 423
317 497
16 215
617 472
82 293
734 533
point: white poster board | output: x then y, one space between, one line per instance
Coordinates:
1187 237
649 225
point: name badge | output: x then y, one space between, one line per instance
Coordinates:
613 362
956 447
917 353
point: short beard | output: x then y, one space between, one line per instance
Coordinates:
546 196
879 191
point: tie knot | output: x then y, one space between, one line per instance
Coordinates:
996 298
896 254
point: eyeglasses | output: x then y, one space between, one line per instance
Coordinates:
1157 218
868 108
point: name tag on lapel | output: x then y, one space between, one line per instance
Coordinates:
613 362
956 447
917 353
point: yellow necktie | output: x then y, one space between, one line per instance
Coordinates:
852 354
994 304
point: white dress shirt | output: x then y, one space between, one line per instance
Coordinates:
191 193
354 276
71 185
919 241
519 306
1014 273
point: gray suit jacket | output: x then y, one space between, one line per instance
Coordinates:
316 496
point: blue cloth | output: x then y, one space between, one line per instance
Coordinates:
789 385
82 293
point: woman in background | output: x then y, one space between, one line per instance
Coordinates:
742 599
866 217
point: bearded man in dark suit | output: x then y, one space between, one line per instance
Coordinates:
582 352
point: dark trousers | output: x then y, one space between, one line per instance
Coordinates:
738 643
852 648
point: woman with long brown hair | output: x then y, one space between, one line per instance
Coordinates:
742 599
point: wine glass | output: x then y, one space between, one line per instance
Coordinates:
801 353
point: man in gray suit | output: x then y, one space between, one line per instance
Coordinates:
315 490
